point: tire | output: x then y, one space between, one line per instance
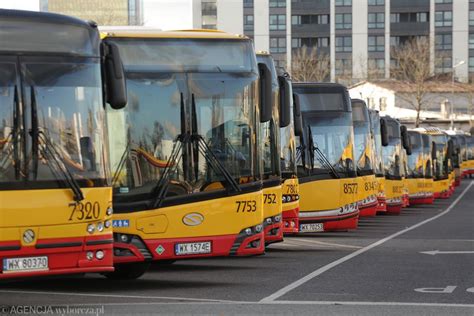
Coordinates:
128 271
164 262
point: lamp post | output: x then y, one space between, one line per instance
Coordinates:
462 62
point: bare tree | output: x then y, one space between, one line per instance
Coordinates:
411 66
309 64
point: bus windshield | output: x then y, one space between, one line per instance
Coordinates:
331 135
376 131
288 148
470 147
216 108
362 139
440 164
269 131
415 160
62 98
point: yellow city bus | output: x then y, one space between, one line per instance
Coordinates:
458 154
379 139
406 151
187 167
364 156
468 168
290 184
441 163
393 164
417 168
270 146
325 159
56 204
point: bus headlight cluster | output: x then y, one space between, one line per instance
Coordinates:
99 254
268 220
277 218
289 198
99 227
248 231
253 230
259 228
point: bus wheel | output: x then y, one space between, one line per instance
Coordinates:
128 271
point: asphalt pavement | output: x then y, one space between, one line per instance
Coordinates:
418 263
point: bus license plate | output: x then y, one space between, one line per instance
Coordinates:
25 264
193 248
311 228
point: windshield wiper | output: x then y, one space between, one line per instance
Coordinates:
200 145
50 152
161 187
321 157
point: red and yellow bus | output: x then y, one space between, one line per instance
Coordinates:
290 184
419 169
270 146
187 180
468 165
392 152
364 151
379 138
325 159
56 203
441 163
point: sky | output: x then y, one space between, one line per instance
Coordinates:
20 4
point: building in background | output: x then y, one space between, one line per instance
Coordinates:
356 34
104 12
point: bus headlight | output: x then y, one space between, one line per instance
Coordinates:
258 228
90 228
109 211
100 227
277 218
107 224
268 220
100 255
90 255
124 238
248 231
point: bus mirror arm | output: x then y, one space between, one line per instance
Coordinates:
383 132
266 100
115 78
433 151
298 120
286 95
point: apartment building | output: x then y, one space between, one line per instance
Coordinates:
356 34
104 12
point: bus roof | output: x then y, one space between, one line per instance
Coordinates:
154 33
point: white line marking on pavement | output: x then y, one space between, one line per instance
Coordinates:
333 264
438 252
369 303
323 243
347 303
117 296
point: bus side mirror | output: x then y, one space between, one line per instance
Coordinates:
266 102
383 132
433 151
405 139
286 95
450 149
115 78
298 119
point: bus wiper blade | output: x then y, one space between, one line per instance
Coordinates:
162 185
206 151
321 157
52 153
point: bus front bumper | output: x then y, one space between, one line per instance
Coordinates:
135 249
329 220
90 254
